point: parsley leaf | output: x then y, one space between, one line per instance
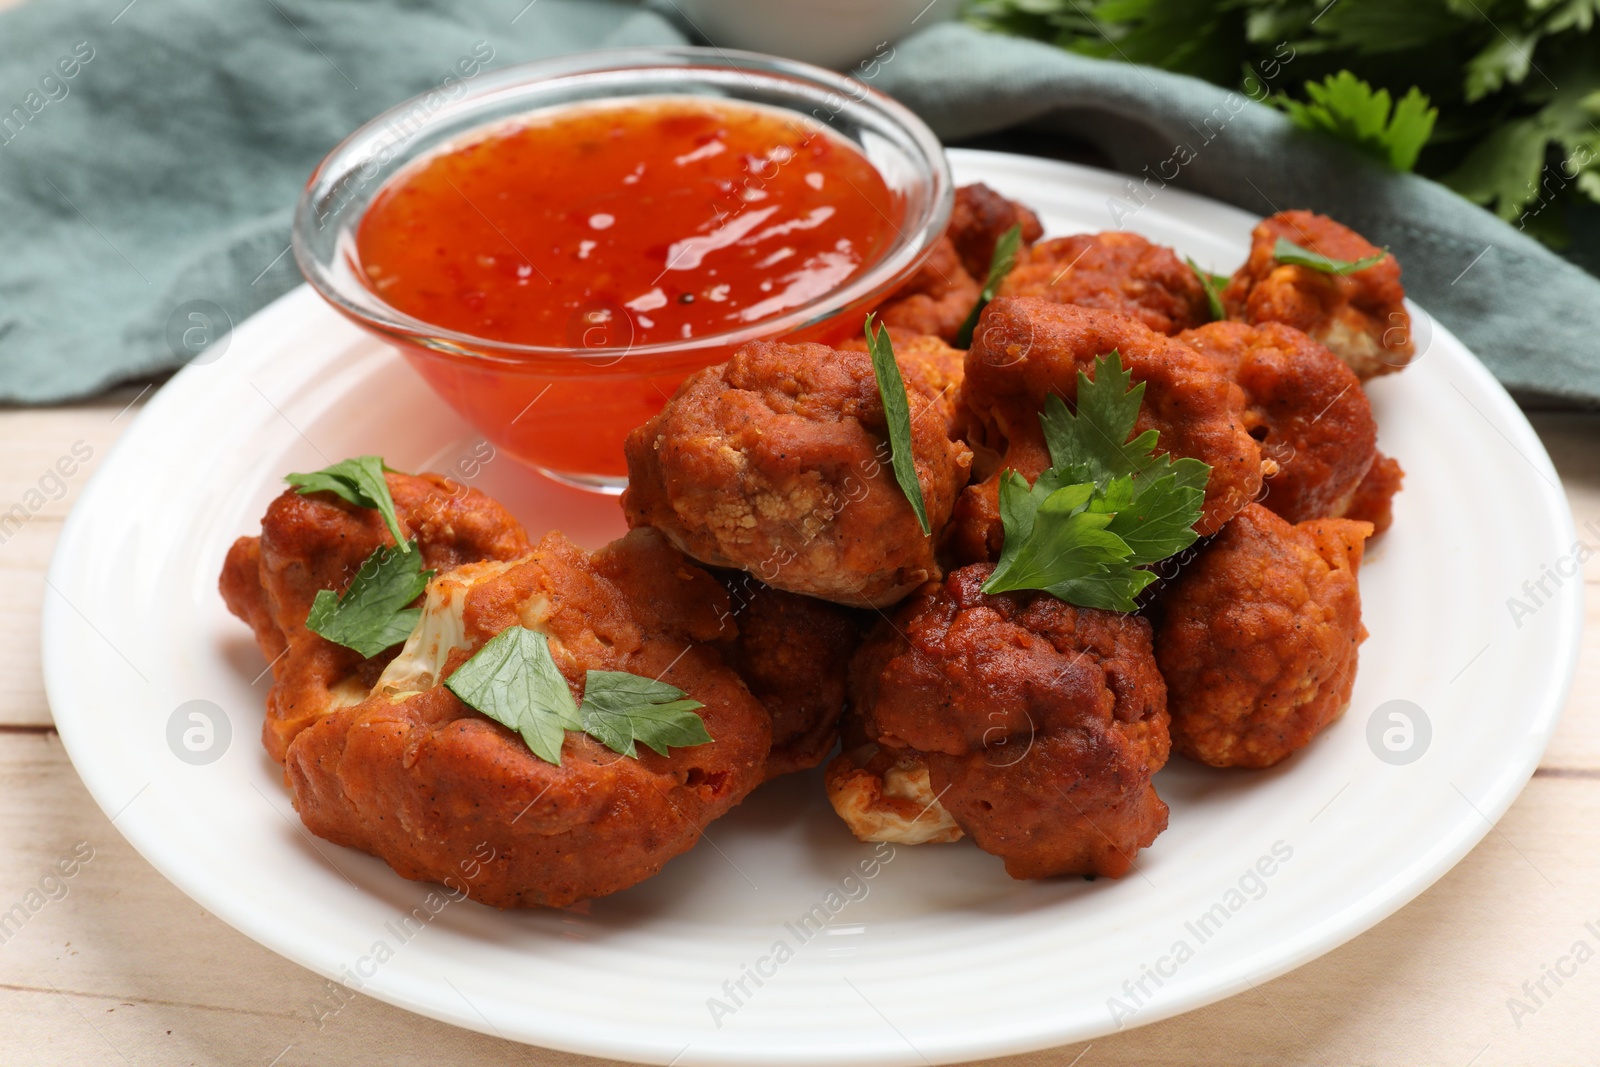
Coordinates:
360 481
1107 506
620 708
1504 169
1093 445
1159 519
1292 254
897 416
1213 284
513 680
1064 539
1349 108
372 614
1001 263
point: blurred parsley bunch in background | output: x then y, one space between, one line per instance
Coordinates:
1498 99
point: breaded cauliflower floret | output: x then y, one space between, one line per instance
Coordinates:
1361 317
1039 723
311 542
1305 407
1257 637
777 462
937 299
1114 271
1027 349
942 365
979 217
416 777
792 652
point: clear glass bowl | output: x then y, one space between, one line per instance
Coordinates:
567 410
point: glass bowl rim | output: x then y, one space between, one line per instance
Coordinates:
916 237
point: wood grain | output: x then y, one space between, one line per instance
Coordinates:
125 969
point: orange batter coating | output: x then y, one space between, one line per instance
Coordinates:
777 462
1039 724
943 363
792 653
1257 637
1374 498
1026 349
1114 271
937 299
416 777
318 541
1305 407
978 218
1361 317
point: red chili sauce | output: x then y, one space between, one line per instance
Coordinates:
695 216
620 224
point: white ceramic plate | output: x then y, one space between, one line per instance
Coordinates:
938 956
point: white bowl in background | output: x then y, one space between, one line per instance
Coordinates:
829 33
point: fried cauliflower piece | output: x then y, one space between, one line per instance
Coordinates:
1257 637
942 363
317 541
777 462
977 220
412 775
1360 317
1026 349
1039 724
1304 406
792 653
1374 498
1114 271
937 299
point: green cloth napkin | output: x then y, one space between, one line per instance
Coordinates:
150 155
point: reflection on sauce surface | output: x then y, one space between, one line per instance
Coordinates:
631 222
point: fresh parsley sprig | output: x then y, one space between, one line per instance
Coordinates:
360 481
1289 252
1001 263
372 614
1213 284
1107 506
897 416
514 680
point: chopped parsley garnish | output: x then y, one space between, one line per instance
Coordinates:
1107 506
897 416
372 614
514 680
360 481
1292 254
1001 263
1213 284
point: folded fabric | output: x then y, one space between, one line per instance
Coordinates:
150 155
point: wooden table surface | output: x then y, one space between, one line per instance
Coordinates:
125 969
